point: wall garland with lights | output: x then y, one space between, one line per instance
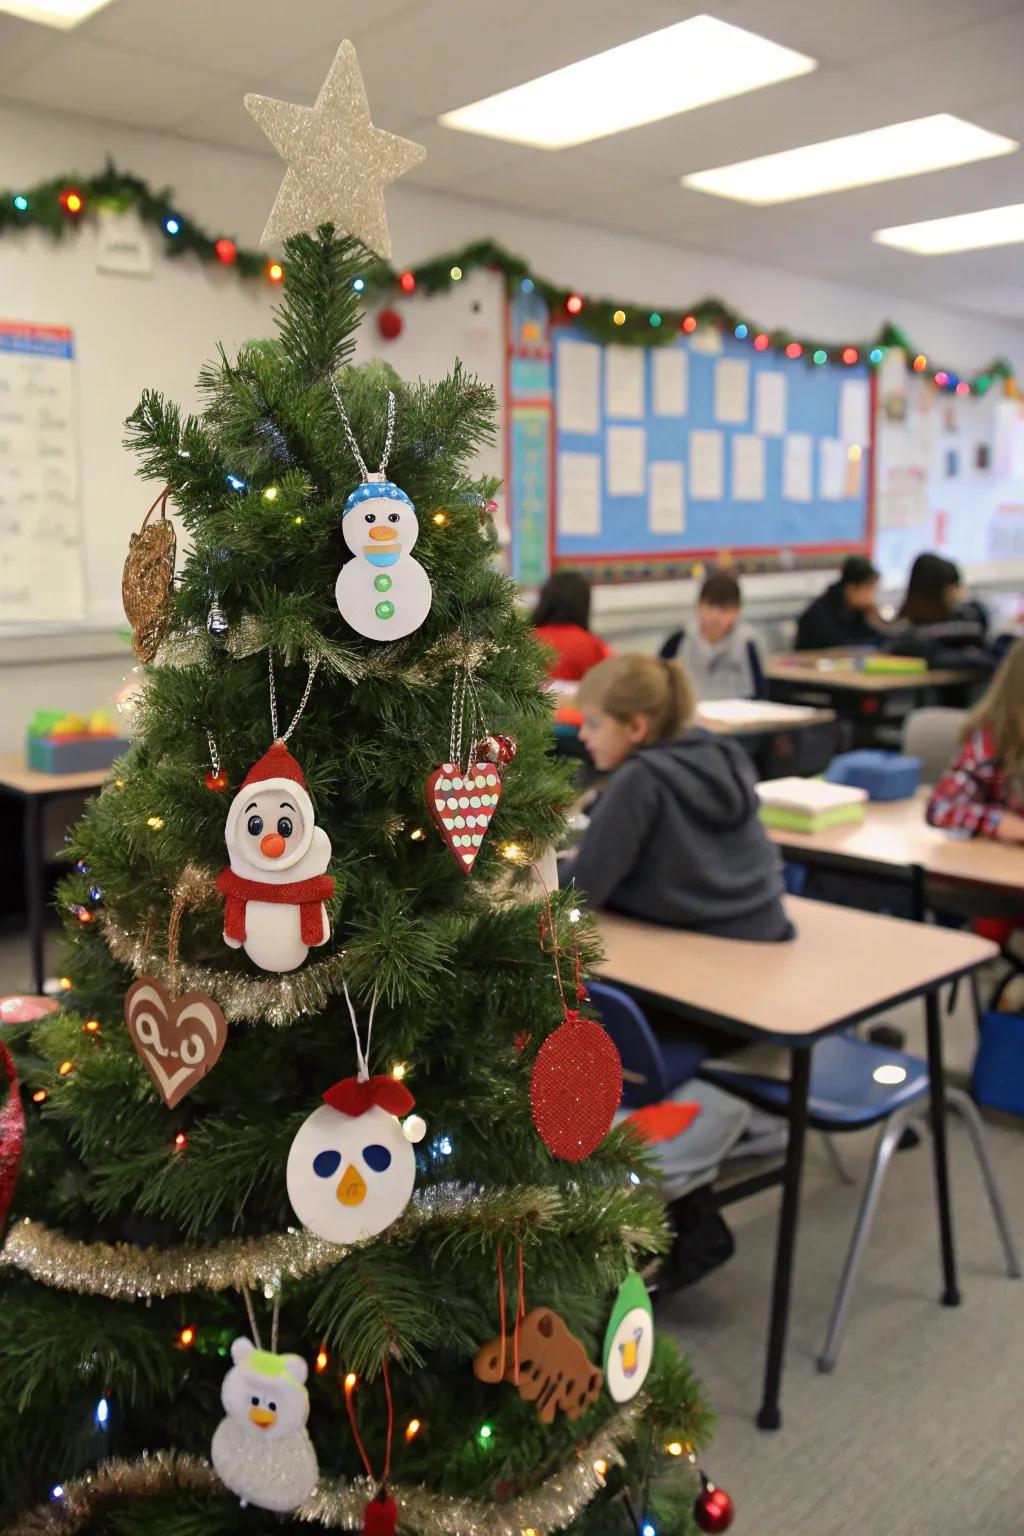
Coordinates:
63 203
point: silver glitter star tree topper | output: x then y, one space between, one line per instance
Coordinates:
338 162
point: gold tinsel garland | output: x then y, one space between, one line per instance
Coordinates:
122 1272
338 1504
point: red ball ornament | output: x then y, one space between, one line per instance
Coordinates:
390 324
713 1510
488 749
575 1089
507 748
380 1517
218 780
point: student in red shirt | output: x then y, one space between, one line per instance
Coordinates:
982 792
562 622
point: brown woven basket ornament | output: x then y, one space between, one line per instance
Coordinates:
146 584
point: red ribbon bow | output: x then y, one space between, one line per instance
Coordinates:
354 1096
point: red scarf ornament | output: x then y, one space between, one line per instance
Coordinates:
306 894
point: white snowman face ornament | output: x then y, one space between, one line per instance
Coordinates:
351 1167
383 593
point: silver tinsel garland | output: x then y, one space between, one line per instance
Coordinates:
339 1505
122 1272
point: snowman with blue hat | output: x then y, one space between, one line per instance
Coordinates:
383 593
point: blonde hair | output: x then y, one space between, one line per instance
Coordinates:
624 686
1001 710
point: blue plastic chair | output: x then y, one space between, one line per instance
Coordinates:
652 1068
854 1085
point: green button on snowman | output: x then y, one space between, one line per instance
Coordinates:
383 593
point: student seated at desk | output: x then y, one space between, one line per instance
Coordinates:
982 792
935 622
718 651
675 836
562 621
846 613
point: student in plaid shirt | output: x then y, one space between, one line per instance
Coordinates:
982 792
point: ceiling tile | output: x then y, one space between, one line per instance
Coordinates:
21 42
113 84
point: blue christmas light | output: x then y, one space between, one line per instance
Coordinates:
740 332
102 1412
358 284
95 893
235 483
527 285
171 225
441 1147
57 1491
634 1178
876 354
21 203
82 867
648 1529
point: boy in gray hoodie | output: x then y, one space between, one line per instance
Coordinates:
675 837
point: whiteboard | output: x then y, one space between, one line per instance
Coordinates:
40 513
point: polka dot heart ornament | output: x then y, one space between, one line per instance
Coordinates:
462 796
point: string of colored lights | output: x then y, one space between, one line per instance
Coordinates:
65 202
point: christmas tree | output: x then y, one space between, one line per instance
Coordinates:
211 1233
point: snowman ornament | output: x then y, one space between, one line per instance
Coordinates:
261 1450
276 884
383 593
351 1167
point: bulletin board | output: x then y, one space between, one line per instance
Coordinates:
950 473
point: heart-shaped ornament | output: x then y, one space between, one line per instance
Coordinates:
461 804
178 1039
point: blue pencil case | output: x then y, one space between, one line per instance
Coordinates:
885 775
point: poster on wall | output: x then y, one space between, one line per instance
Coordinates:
40 514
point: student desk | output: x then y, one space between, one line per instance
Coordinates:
34 790
895 843
858 696
843 966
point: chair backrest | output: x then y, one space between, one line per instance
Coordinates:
644 1079
932 735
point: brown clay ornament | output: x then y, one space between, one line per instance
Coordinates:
554 1371
178 1039
146 582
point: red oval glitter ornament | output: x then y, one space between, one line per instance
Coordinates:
575 1089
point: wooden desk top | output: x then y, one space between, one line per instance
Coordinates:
26 781
843 966
763 715
805 669
897 834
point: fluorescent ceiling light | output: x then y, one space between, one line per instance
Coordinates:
670 71
64 14
961 232
856 160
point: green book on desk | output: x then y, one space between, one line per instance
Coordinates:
809 805
888 665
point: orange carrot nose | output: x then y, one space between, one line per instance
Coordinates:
273 845
382 533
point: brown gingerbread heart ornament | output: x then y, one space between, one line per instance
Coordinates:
178 1039
554 1371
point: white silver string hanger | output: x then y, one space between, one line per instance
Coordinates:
313 665
362 1057
353 444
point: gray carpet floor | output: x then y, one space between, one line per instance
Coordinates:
920 1431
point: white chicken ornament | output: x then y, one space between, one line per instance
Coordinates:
261 1449
383 593
276 884
351 1167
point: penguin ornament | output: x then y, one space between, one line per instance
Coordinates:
276 883
383 593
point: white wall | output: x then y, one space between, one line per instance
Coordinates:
132 332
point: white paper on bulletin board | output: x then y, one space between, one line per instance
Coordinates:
40 514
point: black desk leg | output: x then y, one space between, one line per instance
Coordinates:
950 1295
35 892
770 1416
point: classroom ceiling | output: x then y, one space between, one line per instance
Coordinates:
182 67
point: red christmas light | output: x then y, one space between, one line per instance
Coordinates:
407 282
850 355
689 323
761 342
180 1140
226 251
941 378
794 349
920 363
72 200
574 303
963 388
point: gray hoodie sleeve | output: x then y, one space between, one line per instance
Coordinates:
619 826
